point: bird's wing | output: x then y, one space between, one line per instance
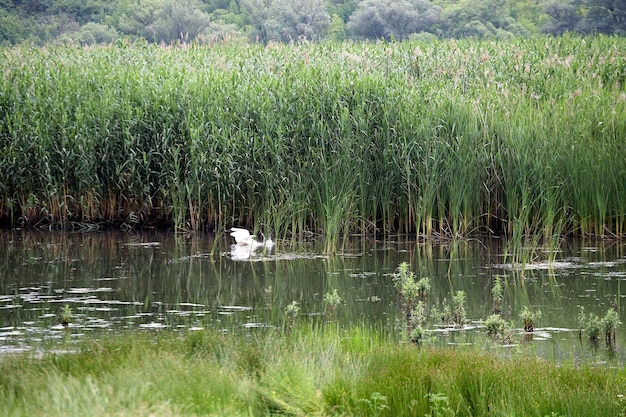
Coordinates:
237 231
240 235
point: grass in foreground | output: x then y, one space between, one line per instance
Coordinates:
318 372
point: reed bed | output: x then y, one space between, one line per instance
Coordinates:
311 371
523 137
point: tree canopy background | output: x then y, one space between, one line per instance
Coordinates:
166 21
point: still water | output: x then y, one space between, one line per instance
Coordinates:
153 281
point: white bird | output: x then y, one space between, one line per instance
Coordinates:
246 245
244 238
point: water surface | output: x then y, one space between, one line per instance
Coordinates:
151 281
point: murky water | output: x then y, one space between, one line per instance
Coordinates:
116 282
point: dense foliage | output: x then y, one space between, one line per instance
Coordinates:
104 21
523 137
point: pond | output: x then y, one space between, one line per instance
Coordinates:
152 281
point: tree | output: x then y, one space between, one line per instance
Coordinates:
81 11
179 19
227 23
164 20
481 19
392 19
93 33
564 18
10 28
337 29
298 20
258 12
29 6
287 20
342 8
367 22
606 16
135 16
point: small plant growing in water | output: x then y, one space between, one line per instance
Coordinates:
594 325
495 325
590 323
408 290
331 302
292 311
609 325
412 296
415 328
445 314
530 318
402 274
423 288
497 294
66 315
458 300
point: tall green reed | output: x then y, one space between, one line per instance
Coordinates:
520 138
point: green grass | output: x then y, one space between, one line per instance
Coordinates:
327 372
521 138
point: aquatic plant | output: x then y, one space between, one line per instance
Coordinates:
610 322
66 315
412 299
423 288
458 302
291 312
403 274
529 318
590 324
495 325
331 301
417 321
497 295
594 326
407 287
443 314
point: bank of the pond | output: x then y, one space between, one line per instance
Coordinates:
515 137
319 372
